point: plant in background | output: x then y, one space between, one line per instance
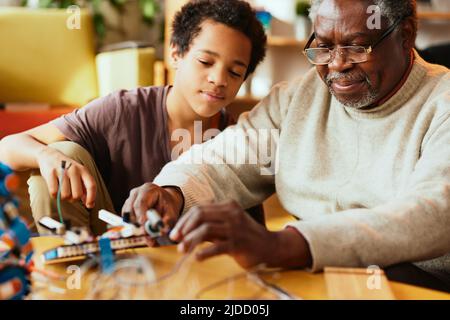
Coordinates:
302 22
149 9
302 8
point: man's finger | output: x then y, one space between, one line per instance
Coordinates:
145 200
175 234
151 242
205 232
169 216
217 248
128 205
197 217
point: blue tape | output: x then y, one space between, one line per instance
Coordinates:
106 255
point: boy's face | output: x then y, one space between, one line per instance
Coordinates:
210 74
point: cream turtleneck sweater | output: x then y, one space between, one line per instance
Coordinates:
368 187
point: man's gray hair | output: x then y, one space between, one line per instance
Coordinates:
391 9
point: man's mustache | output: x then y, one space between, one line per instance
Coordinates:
351 77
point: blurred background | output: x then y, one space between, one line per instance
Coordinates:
57 55
63 53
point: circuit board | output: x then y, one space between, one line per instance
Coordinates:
73 252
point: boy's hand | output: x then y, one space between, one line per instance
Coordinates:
78 183
167 201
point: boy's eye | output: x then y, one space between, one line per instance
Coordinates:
206 63
235 74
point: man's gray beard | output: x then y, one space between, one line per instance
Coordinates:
361 103
369 98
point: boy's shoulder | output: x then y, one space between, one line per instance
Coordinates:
140 98
127 104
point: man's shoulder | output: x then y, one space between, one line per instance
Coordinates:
434 73
303 88
308 81
436 84
295 96
438 77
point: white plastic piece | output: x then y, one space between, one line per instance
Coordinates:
72 237
77 235
130 230
112 219
52 224
153 224
154 217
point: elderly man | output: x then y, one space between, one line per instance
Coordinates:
363 156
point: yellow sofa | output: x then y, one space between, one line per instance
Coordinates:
44 59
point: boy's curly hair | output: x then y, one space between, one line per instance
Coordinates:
236 14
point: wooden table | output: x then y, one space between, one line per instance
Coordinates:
193 279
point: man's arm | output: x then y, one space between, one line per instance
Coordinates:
240 163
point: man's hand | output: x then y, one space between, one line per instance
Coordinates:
232 231
167 201
78 183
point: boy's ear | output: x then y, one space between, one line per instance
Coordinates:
174 56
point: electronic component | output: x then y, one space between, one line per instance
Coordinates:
154 224
111 218
16 253
123 235
79 251
122 228
9 182
14 282
78 235
52 225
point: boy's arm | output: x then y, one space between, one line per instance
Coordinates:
29 150
21 151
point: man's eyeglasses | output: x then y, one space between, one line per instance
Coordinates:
352 54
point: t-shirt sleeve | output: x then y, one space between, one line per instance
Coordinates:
91 125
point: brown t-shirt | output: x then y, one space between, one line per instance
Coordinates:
126 134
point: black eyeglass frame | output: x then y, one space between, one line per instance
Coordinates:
368 49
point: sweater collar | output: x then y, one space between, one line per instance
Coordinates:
404 92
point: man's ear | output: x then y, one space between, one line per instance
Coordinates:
174 56
408 34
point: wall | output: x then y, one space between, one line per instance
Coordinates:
129 25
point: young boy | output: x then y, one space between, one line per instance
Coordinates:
123 140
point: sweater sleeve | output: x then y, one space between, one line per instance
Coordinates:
239 163
415 226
